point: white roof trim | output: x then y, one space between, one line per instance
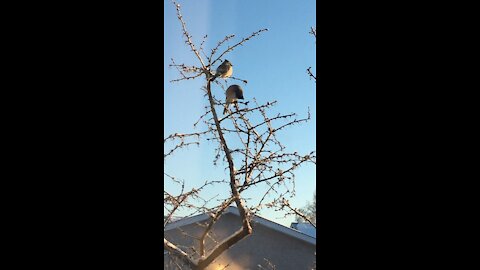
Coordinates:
256 219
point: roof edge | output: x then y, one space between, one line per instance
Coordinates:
257 219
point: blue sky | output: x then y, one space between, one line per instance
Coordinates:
274 64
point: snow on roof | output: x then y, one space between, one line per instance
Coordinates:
305 228
309 238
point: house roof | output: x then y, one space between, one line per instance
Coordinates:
256 219
305 228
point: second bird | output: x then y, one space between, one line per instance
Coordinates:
234 92
225 70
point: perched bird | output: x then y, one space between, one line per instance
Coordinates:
234 92
225 70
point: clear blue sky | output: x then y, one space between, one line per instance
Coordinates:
274 64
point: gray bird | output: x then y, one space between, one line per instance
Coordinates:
234 92
225 70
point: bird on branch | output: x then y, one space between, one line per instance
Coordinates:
225 70
234 92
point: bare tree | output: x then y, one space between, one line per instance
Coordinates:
255 158
309 212
313 31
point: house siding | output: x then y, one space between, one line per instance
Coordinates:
281 250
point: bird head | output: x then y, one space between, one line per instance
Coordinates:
228 62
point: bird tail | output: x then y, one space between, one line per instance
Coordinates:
226 107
